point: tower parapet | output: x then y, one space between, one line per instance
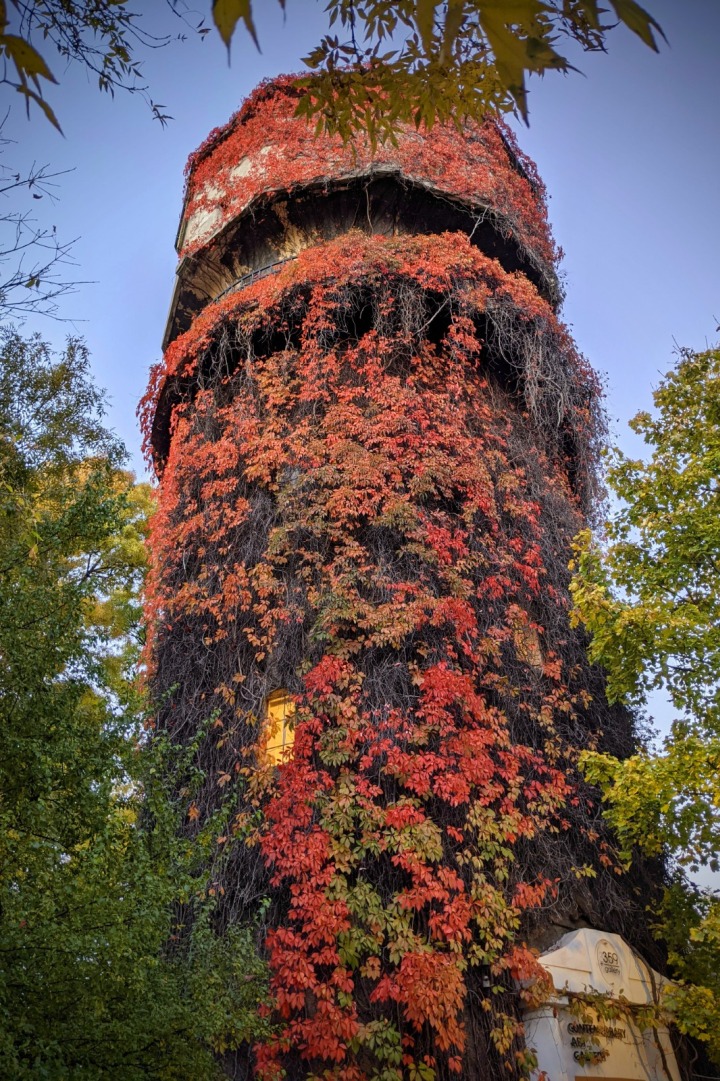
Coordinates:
265 186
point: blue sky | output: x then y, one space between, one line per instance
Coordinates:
629 152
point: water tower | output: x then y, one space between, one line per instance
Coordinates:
375 443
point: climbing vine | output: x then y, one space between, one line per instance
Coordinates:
379 457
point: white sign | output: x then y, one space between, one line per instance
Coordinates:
586 1046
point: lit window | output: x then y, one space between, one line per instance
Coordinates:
279 733
527 645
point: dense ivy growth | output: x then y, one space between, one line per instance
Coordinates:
379 458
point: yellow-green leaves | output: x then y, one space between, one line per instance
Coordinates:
425 21
518 36
27 60
30 67
228 13
649 597
450 62
422 61
381 63
638 20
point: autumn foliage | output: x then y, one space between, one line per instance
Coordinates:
378 459
265 148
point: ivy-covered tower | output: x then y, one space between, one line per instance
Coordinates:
375 443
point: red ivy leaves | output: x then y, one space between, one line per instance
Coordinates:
264 148
401 541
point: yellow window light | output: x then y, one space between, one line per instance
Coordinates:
527 645
279 732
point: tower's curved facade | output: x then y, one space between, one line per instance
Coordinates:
375 443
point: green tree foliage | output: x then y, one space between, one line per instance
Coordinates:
649 596
90 858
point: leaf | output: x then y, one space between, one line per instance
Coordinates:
27 59
425 20
31 95
453 23
227 14
639 21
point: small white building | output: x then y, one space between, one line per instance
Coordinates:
591 1048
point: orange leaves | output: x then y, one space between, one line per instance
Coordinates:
329 673
447 264
531 895
431 989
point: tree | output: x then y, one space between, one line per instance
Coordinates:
90 861
649 598
104 36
